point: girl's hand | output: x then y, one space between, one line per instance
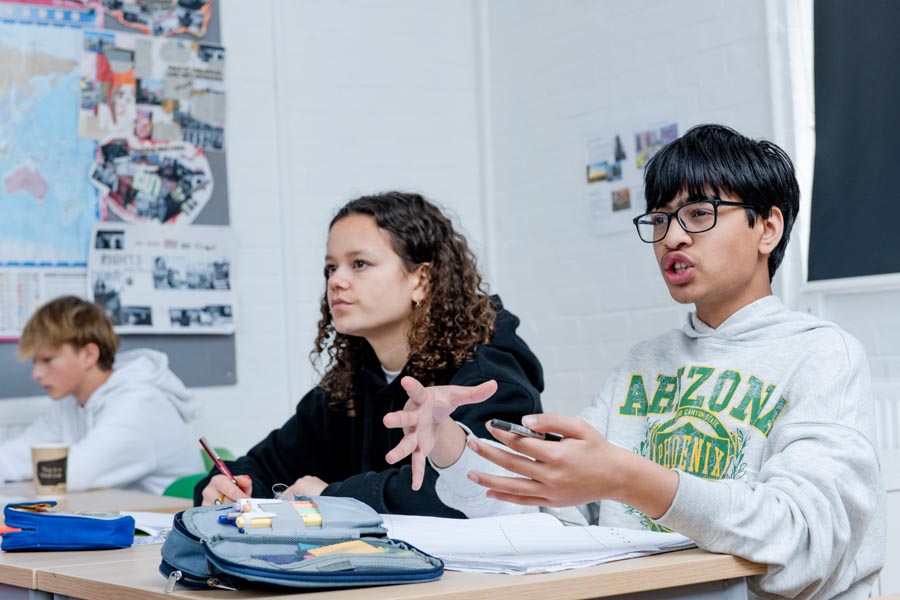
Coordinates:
308 485
220 490
426 424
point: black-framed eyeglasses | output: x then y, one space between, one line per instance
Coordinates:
694 217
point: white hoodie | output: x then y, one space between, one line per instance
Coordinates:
769 420
131 433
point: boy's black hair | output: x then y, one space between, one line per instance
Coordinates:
717 159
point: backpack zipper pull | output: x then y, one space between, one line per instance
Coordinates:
173 578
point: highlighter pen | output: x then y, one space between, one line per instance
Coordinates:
524 431
220 464
244 522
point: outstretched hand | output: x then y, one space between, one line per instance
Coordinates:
426 423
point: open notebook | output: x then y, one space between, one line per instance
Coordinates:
150 527
528 543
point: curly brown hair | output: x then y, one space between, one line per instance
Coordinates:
455 316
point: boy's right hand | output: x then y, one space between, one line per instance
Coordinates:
427 426
220 488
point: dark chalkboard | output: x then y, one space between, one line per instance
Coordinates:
855 185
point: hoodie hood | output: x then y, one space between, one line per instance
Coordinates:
149 367
765 319
506 339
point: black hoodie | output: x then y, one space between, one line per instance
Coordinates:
348 452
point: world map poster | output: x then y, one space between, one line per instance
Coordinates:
48 204
49 207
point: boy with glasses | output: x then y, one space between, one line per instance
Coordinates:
750 430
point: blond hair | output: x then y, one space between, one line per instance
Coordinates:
70 320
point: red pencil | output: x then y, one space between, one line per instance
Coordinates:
220 464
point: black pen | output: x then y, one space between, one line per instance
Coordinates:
524 431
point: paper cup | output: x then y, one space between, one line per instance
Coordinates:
49 462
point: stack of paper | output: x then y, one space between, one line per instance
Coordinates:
150 527
529 543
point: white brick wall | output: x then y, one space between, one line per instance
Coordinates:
485 106
330 100
327 100
560 69
872 317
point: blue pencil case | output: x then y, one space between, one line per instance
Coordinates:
41 528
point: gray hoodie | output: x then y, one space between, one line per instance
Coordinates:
769 420
131 433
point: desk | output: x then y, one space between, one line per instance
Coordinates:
20 569
104 500
138 578
133 573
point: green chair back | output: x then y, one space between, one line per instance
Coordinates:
183 487
225 453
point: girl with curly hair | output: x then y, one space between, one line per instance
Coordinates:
403 297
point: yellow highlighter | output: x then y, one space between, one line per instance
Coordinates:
313 520
351 547
244 522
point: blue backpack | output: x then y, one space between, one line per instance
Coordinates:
310 542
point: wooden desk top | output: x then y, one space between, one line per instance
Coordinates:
20 568
134 572
107 500
139 579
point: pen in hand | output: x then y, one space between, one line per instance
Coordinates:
220 464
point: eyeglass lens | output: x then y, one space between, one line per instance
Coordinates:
695 217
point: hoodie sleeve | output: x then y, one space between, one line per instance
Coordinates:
455 489
813 502
121 448
390 490
15 454
287 453
509 361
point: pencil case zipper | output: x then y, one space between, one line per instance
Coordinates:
23 538
332 570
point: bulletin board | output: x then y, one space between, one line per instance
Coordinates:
70 181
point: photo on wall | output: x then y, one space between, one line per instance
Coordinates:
162 17
614 164
146 88
162 279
